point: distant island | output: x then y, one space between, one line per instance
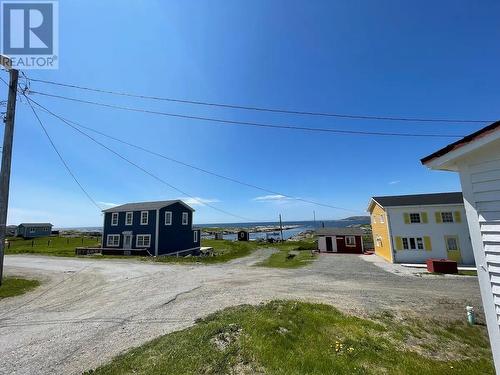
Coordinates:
357 218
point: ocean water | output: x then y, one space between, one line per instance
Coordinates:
301 227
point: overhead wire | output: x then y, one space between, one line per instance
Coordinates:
245 123
264 109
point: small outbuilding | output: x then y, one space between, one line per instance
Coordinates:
33 230
340 240
243 235
219 235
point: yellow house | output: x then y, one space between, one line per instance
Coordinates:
413 228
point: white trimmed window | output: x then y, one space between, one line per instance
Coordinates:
451 243
415 218
447 217
382 219
195 239
144 217
185 218
413 243
129 217
113 240
143 240
350 241
379 241
168 217
374 219
114 219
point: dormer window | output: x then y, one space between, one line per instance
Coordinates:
144 217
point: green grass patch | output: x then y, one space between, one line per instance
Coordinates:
304 338
58 246
291 255
224 251
13 286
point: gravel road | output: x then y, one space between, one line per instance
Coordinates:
89 310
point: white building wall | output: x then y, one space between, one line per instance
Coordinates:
480 178
436 232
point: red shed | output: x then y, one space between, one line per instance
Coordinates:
340 240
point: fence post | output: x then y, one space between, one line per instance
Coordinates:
32 243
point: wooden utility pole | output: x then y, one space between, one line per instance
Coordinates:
281 229
8 137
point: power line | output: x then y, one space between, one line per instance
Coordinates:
246 123
263 109
137 165
215 174
62 159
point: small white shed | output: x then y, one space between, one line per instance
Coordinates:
477 159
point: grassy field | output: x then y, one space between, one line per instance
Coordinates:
12 286
302 338
224 251
58 246
282 259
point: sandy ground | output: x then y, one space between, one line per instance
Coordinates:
88 311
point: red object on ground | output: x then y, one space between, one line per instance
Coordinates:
441 265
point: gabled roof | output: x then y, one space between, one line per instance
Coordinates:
146 206
347 231
36 224
456 149
417 200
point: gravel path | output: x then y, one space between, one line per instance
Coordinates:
88 311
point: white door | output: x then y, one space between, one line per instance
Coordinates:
127 241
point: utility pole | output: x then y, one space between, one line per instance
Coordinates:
314 216
8 137
281 229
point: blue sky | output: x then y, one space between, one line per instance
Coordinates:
425 58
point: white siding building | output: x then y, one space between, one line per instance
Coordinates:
477 159
421 226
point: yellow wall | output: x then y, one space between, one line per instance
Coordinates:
382 230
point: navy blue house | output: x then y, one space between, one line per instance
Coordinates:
164 227
33 230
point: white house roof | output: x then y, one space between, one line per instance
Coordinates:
444 158
347 231
145 206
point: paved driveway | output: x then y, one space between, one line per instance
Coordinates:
87 311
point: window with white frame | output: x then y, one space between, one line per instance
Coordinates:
113 240
382 219
451 243
114 218
415 218
350 241
185 218
144 217
379 241
168 217
447 217
195 234
413 243
143 240
129 217
32 230
374 219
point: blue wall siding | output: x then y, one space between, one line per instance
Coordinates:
176 237
172 238
136 228
39 232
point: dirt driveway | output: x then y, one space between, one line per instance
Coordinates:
87 311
